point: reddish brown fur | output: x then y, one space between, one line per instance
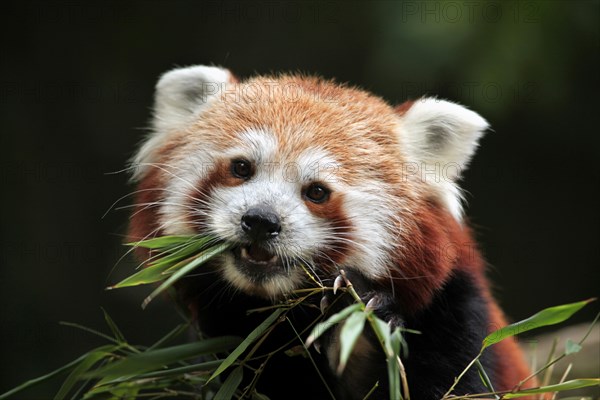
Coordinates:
433 248
439 245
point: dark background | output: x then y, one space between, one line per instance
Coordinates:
76 86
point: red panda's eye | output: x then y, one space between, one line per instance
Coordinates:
317 193
241 169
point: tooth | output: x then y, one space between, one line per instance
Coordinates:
244 253
338 283
324 304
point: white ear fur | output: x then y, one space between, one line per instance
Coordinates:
181 95
441 137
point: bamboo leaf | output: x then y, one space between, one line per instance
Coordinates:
164 264
162 242
569 385
396 342
178 372
140 363
322 327
548 316
147 275
124 390
89 330
484 377
383 331
349 335
201 259
180 253
178 330
44 378
227 390
89 361
255 334
114 328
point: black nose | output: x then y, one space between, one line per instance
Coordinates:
261 223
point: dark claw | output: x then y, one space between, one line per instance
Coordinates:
324 304
317 346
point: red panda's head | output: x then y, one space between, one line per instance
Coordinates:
297 172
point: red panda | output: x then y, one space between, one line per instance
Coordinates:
296 170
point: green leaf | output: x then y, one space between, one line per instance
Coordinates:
572 347
140 381
137 364
147 275
89 361
89 330
162 265
180 253
162 242
205 366
349 335
255 334
178 330
569 385
201 259
322 327
227 390
383 331
114 328
396 341
392 343
44 378
394 378
484 377
124 390
548 316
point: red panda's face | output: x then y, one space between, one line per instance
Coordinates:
302 176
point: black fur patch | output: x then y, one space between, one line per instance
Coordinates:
452 330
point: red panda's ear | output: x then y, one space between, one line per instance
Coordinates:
181 95
440 137
440 132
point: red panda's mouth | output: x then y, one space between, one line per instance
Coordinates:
257 255
257 262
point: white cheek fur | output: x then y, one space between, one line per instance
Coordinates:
182 187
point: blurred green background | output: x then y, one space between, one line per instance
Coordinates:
76 87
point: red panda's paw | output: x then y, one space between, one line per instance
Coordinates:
379 301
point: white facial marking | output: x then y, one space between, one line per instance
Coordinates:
274 287
278 184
